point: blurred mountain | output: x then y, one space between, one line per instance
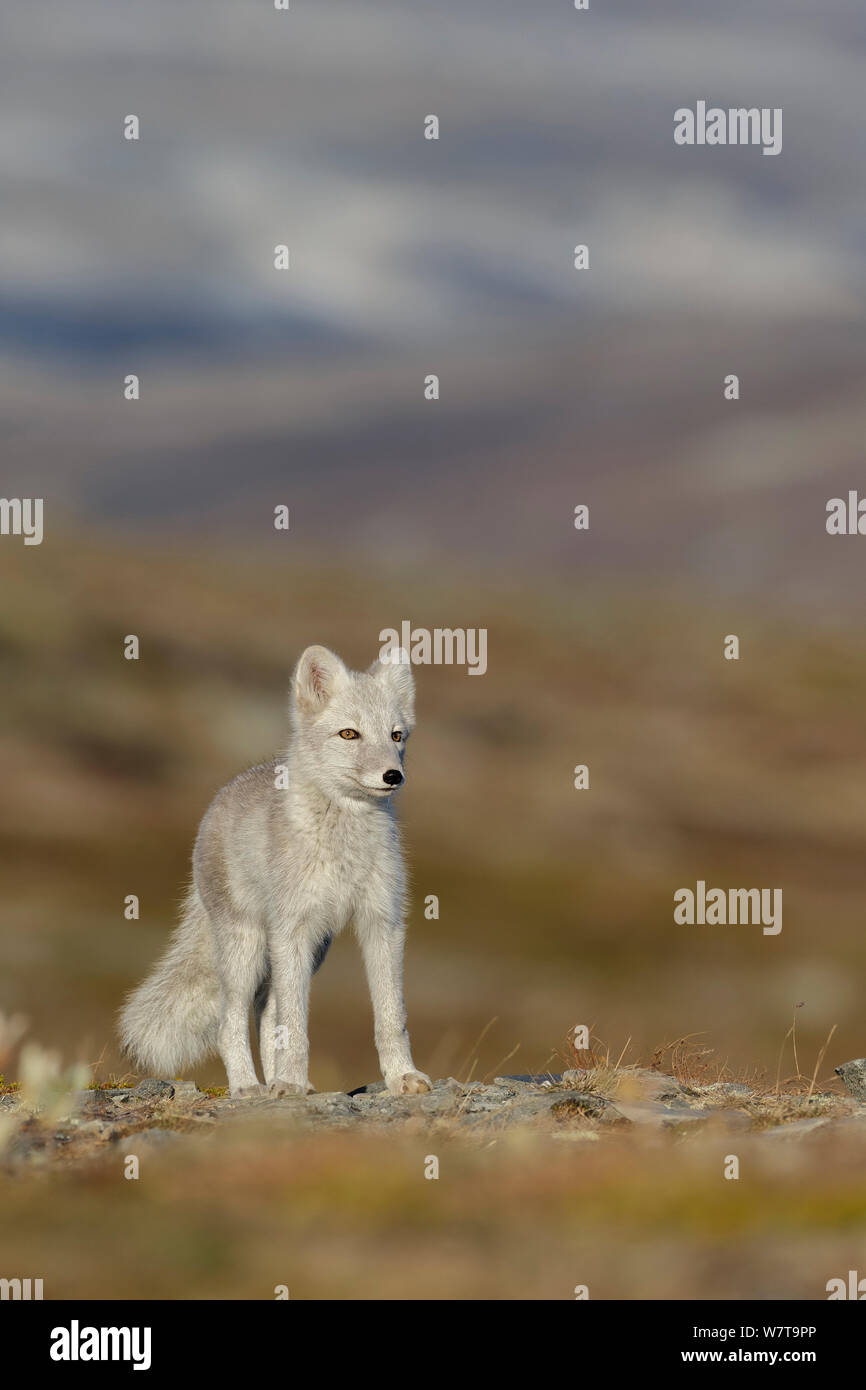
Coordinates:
454 257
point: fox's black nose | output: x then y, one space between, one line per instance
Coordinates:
392 777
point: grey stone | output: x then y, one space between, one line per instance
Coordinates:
575 1105
524 1109
153 1089
651 1112
722 1093
543 1078
853 1076
442 1100
331 1103
394 1108
481 1098
117 1094
565 1107
95 1097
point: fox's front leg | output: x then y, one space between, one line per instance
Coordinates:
291 973
381 934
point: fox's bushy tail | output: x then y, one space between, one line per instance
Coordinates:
171 1020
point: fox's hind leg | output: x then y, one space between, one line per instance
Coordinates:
241 960
265 1011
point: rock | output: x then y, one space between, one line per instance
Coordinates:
93 1096
152 1089
544 1078
586 1105
391 1108
442 1100
853 1076
576 1105
482 1098
724 1093
331 1103
649 1112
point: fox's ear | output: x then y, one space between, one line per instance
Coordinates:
395 672
315 678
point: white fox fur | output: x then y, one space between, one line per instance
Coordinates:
286 856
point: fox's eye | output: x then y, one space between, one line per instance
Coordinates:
396 736
349 733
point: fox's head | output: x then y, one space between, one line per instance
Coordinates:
350 727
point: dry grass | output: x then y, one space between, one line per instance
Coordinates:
335 1217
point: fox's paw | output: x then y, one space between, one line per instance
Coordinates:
290 1088
247 1092
410 1083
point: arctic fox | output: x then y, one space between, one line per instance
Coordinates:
286 855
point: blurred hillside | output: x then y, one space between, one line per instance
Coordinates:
455 257
556 905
